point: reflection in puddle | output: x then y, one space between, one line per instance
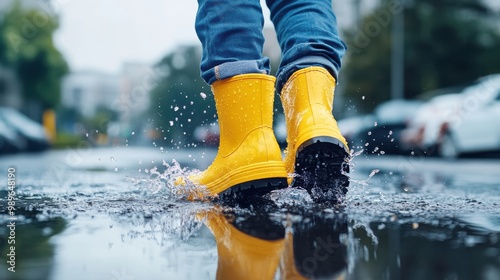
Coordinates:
97 225
205 241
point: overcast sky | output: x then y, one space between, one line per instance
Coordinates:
102 35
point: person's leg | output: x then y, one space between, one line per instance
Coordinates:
231 36
308 36
311 57
249 159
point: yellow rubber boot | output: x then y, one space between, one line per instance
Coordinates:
317 154
249 158
240 255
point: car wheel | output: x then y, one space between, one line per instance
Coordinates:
448 148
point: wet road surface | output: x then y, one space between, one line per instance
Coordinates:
110 214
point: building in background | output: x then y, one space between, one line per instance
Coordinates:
86 92
116 103
137 80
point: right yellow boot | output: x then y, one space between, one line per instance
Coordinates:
317 154
249 158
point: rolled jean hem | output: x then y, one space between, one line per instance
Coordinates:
230 69
285 72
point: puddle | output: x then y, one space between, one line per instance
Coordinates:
394 224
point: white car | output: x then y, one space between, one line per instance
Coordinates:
475 126
452 124
425 129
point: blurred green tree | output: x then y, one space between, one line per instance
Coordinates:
447 43
27 47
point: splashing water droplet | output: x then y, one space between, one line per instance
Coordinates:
290 196
169 184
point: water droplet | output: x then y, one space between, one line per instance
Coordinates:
369 133
133 132
112 158
176 108
203 95
363 97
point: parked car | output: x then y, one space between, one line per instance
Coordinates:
351 126
452 124
474 126
380 133
207 134
426 129
9 140
21 133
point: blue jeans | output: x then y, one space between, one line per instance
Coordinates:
231 35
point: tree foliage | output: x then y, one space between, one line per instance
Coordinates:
446 43
27 46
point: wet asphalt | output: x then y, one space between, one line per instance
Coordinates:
111 213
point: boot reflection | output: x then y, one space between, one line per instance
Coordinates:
252 244
249 246
317 248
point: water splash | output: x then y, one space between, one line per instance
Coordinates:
173 183
291 197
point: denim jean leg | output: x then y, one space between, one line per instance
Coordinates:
308 36
231 36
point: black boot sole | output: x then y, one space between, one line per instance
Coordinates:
248 192
321 167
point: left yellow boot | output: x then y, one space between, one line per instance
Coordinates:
317 153
249 158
